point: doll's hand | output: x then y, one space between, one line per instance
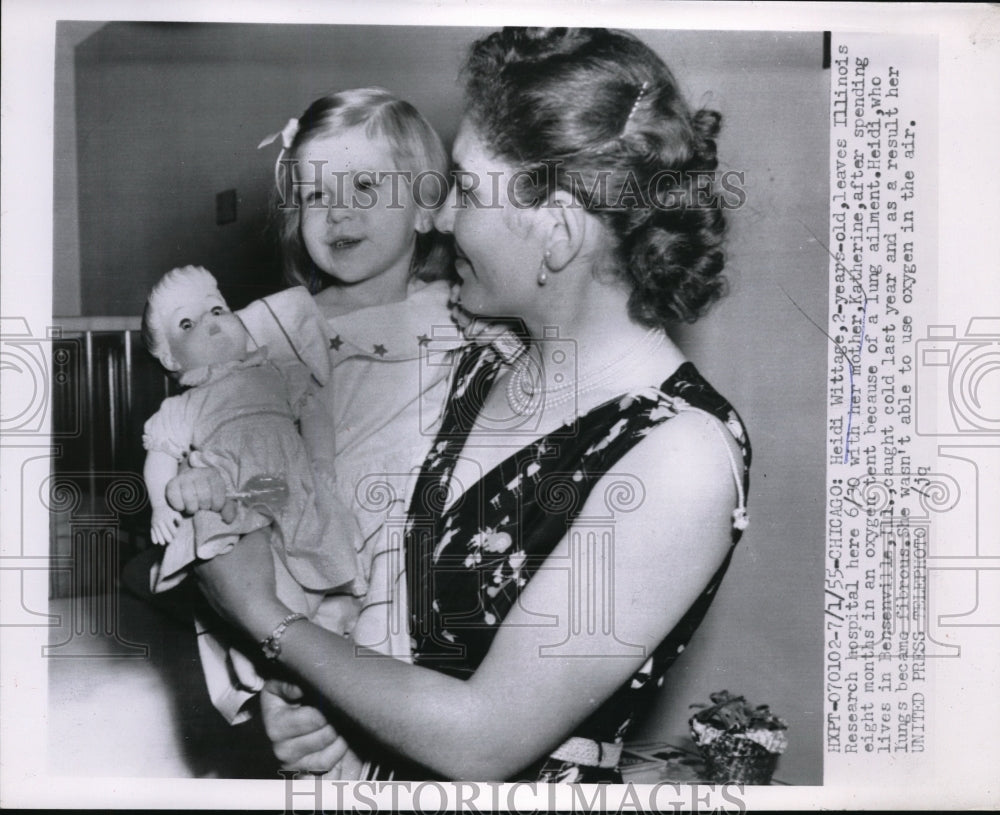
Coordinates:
164 525
301 737
200 488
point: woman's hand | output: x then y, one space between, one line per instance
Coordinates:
301 737
196 488
240 585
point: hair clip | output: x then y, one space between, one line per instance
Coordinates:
635 104
287 135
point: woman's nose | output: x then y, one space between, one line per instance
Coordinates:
444 218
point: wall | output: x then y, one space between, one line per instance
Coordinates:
66 227
169 115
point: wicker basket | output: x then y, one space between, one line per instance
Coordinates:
732 758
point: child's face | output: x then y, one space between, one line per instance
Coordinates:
359 222
201 330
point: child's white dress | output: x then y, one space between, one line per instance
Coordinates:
389 368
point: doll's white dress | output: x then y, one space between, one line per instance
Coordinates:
239 418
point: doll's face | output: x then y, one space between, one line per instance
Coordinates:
201 330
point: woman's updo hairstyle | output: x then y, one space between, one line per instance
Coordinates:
597 113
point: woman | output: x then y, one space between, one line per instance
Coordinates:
543 614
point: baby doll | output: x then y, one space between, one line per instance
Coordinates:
239 416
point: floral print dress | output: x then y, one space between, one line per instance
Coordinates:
468 563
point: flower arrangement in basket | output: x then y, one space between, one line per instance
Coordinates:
740 744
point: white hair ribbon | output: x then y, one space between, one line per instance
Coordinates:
287 135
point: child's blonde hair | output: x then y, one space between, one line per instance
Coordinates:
191 280
416 149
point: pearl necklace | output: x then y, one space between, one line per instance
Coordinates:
526 392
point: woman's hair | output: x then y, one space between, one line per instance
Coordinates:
598 114
189 280
416 148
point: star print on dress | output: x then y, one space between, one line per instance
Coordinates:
336 342
379 350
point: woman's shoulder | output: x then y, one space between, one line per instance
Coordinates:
686 391
686 385
694 446
674 499
693 453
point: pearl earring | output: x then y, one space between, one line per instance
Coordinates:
543 273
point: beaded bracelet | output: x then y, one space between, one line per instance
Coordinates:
271 646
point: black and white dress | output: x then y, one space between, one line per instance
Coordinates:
468 563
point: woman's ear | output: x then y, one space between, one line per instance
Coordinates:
566 226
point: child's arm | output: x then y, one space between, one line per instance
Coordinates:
292 328
160 467
317 429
